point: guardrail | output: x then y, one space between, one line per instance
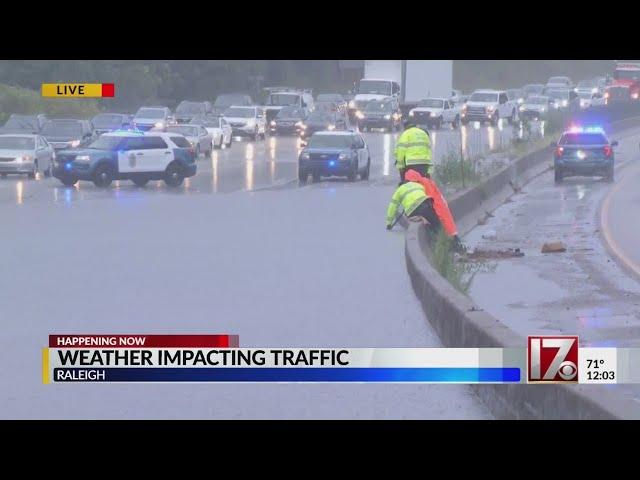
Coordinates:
459 323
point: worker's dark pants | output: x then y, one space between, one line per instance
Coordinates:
421 169
425 209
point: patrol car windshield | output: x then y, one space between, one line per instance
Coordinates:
378 107
62 129
626 74
320 117
583 139
107 142
484 97
22 122
375 87
538 100
283 99
330 141
290 112
228 100
17 143
240 112
431 103
150 113
187 131
190 107
107 120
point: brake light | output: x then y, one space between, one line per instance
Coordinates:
608 150
559 151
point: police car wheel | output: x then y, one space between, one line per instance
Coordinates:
316 177
230 141
365 175
69 181
353 173
198 151
173 176
103 176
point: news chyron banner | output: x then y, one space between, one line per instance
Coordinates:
219 358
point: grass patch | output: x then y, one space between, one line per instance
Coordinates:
443 260
455 171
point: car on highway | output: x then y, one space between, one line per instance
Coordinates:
434 112
564 99
532 89
559 83
247 121
226 100
489 106
319 121
288 121
334 154
584 152
590 86
147 118
186 110
218 127
536 107
516 95
68 133
108 122
335 98
25 153
380 114
197 135
280 97
17 123
588 99
128 155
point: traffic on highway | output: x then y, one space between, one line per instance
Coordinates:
260 212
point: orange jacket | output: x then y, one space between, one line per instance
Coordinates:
440 205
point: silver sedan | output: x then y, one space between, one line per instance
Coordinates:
25 154
198 136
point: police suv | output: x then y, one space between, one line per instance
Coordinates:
128 155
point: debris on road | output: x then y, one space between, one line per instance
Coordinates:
554 247
479 255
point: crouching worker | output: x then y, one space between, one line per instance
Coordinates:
433 207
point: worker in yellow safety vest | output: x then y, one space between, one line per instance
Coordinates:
413 150
411 200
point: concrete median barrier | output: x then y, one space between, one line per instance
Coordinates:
459 323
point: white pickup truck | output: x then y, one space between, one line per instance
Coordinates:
433 112
489 106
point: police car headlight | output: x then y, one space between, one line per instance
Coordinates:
83 158
344 156
304 156
387 117
159 124
74 143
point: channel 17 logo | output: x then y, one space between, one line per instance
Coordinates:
553 359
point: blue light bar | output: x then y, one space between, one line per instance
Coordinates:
332 163
593 129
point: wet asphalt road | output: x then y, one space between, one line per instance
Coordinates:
239 248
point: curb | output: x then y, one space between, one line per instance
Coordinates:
459 323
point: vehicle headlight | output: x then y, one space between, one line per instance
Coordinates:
490 108
83 158
304 156
520 101
344 156
24 158
359 115
464 107
331 127
594 90
251 122
74 143
273 123
565 103
159 124
522 108
352 104
635 96
411 113
606 95
543 109
434 114
387 117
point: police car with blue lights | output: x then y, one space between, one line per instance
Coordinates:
584 152
128 155
331 153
